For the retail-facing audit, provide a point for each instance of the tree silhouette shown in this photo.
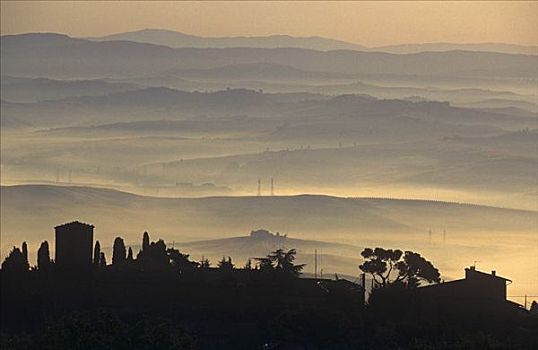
(248, 265)
(25, 252)
(102, 260)
(204, 263)
(154, 256)
(181, 261)
(277, 258)
(265, 264)
(415, 269)
(226, 264)
(130, 255)
(145, 241)
(118, 251)
(15, 262)
(97, 254)
(287, 264)
(43, 257)
(534, 308)
(281, 261)
(380, 263)
(386, 267)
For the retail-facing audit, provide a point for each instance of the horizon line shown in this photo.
(359, 45)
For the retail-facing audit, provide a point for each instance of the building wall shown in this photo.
(483, 284)
(475, 285)
(74, 246)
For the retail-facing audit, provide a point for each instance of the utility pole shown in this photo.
(320, 264)
(363, 283)
(315, 263)
(259, 187)
(272, 187)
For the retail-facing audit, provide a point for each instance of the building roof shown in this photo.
(74, 223)
(472, 271)
(486, 275)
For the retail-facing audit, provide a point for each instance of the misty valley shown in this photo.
(216, 144)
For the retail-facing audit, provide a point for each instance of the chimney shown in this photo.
(469, 272)
(494, 273)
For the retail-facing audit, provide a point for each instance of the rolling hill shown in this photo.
(15, 89)
(164, 103)
(332, 257)
(31, 211)
(452, 235)
(59, 56)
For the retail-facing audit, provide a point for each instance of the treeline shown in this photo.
(159, 298)
(154, 256)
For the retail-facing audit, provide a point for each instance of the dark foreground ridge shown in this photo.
(160, 299)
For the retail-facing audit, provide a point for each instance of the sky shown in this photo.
(365, 23)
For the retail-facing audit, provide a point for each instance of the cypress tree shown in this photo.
(15, 262)
(25, 252)
(130, 254)
(43, 256)
(145, 242)
(248, 265)
(97, 254)
(102, 260)
(118, 251)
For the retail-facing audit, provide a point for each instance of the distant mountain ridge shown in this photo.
(178, 40)
(486, 47)
(57, 56)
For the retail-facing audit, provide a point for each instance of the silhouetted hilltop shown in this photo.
(260, 242)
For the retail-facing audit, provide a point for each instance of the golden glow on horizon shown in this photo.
(366, 23)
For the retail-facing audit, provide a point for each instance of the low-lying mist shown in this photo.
(434, 152)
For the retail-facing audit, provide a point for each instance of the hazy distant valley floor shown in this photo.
(174, 125)
(349, 146)
(339, 228)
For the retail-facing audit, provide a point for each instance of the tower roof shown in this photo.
(74, 224)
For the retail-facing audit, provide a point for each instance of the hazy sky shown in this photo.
(367, 23)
